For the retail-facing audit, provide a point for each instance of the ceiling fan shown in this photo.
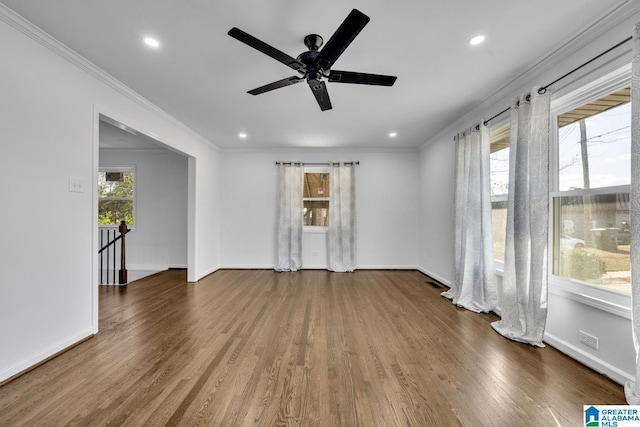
(314, 64)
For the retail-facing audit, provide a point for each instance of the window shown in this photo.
(591, 204)
(499, 170)
(116, 196)
(315, 197)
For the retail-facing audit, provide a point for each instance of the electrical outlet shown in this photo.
(76, 184)
(589, 340)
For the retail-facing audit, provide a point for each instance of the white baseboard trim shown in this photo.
(589, 360)
(133, 274)
(247, 267)
(386, 267)
(205, 273)
(154, 267)
(317, 267)
(41, 356)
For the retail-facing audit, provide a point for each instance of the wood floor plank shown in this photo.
(311, 348)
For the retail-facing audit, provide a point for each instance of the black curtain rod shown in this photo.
(544, 89)
(317, 164)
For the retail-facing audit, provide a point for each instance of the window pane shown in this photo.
(111, 212)
(316, 185)
(115, 184)
(499, 228)
(316, 213)
(499, 170)
(592, 239)
(595, 151)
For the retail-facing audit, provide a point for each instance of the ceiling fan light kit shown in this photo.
(315, 65)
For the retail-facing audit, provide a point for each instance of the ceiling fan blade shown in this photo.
(341, 39)
(322, 96)
(276, 85)
(361, 78)
(268, 50)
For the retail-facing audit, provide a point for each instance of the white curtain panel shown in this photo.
(525, 279)
(342, 218)
(290, 218)
(631, 388)
(474, 278)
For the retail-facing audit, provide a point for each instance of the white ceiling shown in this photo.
(115, 136)
(200, 75)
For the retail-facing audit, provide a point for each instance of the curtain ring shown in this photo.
(542, 90)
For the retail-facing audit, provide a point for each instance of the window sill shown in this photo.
(603, 299)
(315, 229)
(594, 296)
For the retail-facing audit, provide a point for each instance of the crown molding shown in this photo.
(30, 30)
(583, 38)
(140, 150)
(318, 150)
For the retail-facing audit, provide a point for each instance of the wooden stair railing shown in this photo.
(111, 254)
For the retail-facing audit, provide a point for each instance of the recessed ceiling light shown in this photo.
(242, 135)
(393, 134)
(151, 42)
(476, 40)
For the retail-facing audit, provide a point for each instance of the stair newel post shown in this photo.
(122, 274)
(101, 256)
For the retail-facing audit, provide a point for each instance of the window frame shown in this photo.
(131, 169)
(605, 299)
(316, 228)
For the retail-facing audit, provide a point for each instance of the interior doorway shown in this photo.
(156, 204)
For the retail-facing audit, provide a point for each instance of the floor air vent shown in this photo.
(435, 285)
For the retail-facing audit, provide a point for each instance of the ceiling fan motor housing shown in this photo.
(308, 58)
(313, 74)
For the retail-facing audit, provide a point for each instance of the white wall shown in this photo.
(386, 202)
(49, 108)
(567, 315)
(436, 210)
(158, 239)
(569, 310)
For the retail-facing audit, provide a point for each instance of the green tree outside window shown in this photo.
(115, 197)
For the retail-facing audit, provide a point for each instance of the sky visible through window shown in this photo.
(608, 145)
(499, 166)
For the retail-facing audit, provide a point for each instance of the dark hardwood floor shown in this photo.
(311, 348)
